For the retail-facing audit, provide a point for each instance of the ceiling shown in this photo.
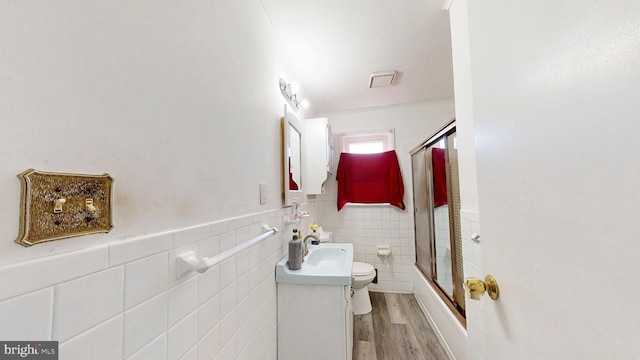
(334, 45)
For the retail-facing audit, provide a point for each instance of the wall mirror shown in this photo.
(292, 155)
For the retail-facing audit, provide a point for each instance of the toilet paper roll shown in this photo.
(383, 250)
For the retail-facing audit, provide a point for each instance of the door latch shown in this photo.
(476, 287)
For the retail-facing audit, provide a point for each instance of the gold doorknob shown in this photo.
(476, 287)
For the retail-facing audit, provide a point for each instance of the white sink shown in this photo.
(326, 264)
(325, 255)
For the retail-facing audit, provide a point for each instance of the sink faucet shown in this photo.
(315, 240)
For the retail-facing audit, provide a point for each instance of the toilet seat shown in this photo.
(362, 269)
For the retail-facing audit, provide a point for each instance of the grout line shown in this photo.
(53, 299)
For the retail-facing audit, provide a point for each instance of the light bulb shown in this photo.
(304, 104)
(295, 87)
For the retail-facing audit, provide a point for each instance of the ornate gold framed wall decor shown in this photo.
(55, 206)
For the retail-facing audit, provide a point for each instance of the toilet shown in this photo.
(361, 276)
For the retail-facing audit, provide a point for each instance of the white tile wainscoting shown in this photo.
(122, 300)
(472, 257)
(366, 226)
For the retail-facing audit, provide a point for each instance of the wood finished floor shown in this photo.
(396, 329)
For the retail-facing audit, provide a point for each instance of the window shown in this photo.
(369, 171)
(368, 142)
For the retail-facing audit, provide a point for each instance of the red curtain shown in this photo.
(370, 179)
(438, 162)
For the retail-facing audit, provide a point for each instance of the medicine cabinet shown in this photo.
(292, 157)
(318, 154)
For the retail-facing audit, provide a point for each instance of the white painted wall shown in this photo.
(370, 225)
(469, 207)
(555, 107)
(461, 343)
(172, 100)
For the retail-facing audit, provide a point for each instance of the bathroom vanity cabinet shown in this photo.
(314, 322)
(318, 154)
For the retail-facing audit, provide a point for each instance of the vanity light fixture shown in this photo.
(288, 91)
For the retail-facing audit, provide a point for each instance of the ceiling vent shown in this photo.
(382, 78)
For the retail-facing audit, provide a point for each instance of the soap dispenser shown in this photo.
(295, 252)
(295, 209)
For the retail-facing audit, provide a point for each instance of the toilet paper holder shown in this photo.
(383, 250)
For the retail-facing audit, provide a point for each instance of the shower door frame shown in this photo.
(430, 274)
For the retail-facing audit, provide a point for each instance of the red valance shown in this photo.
(438, 160)
(370, 179)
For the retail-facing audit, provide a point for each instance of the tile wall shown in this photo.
(369, 225)
(443, 247)
(472, 257)
(122, 300)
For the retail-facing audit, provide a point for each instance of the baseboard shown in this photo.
(391, 291)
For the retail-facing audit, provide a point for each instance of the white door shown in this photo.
(556, 108)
